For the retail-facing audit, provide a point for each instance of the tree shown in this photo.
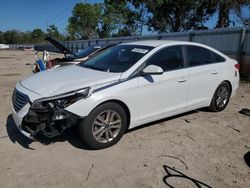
(28, 37)
(118, 18)
(83, 23)
(13, 37)
(108, 20)
(245, 21)
(244, 15)
(2, 41)
(37, 35)
(183, 15)
(53, 31)
(224, 7)
(173, 16)
(142, 16)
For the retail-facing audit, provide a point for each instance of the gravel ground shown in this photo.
(196, 148)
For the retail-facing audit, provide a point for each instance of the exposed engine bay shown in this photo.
(48, 121)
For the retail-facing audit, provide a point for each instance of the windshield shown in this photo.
(117, 59)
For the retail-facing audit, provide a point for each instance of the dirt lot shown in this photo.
(197, 148)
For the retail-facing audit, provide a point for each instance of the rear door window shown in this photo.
(197, 56)
(217, 58)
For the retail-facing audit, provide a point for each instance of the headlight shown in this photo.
(61, 101)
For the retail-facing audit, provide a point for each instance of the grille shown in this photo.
(19, 100)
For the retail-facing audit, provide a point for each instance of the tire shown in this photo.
(221, 97)
(96, 128)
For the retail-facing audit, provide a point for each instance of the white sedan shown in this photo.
(123, 87)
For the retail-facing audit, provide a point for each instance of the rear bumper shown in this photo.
(235, 85)
(234, 90)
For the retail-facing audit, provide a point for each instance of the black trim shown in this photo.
(142, 66)
(112, 84)
(210, 51)
(44, 121)
(19, 100)
(62, 95)
(185, 56)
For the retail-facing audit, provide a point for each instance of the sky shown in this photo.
(26, 15)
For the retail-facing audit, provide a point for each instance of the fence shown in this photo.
(235, 42)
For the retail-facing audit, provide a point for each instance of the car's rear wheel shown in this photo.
(104, 126)
(221, 97)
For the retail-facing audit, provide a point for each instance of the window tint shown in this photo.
(117, 58)
(170, 58)
(87, 51)
(217, 58)
(198, 56)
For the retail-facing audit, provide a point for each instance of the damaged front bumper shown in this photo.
(49, 122)
(44, 116)
(46, 120)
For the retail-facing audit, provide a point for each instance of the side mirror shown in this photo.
(152, 70)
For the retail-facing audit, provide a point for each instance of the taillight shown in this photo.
(237, 66)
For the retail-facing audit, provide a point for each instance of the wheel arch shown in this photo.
(213, 107)
(230, 85)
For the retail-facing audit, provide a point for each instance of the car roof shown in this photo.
(103, 45)
(155, 43)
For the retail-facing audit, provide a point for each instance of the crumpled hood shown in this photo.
(64, 79)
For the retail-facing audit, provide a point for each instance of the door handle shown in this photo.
(181, 80)
(214, 72)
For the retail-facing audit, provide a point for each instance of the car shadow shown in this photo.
(15, 135)
(149, 78)
(165, 119)
(247, 158)
(70, 135)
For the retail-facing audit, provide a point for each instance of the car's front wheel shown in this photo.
(221, 97)
(104, 126)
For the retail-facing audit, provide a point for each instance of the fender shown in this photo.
(118, 91)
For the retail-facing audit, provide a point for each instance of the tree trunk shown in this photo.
(223, 20)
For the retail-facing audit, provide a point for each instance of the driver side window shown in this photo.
(169, 58)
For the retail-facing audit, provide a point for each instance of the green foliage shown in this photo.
(53, 32)
(224, 7)
(13, 36)
(118, 19)
(115, 18)
(2, 40)
(173, 16)
(36, 36)
(83, 23)
(30, 37)
(183, 15)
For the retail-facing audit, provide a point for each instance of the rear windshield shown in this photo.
(117, 58)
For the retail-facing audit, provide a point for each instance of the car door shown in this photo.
(166, 94)
(205, 75)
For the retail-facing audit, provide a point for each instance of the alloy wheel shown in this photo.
(106, 126)
(222, 97)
